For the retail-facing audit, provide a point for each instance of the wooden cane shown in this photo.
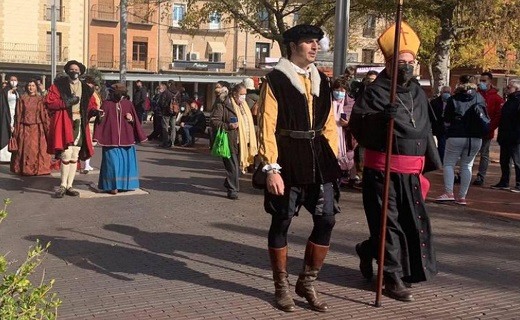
(389, 143)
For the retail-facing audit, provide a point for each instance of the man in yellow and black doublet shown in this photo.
(409, 253)
(298, 146)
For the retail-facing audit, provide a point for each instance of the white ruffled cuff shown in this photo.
(270, 167)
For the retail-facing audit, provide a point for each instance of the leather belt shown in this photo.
(311, 134)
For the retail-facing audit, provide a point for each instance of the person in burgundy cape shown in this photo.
(118, 130)
(409, 252)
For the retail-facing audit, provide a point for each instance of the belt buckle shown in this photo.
(313, 134)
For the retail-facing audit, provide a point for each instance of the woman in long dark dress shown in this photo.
(117, 131)
(30, 131)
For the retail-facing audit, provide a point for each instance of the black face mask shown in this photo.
(404, 73)
(73, 75)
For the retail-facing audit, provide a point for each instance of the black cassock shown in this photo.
(409, 252)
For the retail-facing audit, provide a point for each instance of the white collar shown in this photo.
(302, 71)
(290, 70)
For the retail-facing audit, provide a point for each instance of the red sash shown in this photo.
(399, 164)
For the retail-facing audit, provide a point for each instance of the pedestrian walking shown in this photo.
(409, 254)
(298, 149)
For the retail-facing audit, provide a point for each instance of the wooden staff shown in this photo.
(389, 142)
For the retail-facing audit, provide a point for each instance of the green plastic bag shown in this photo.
(220, 146)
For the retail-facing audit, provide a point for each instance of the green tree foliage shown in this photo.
(453, 32)
(19, 298)
(457, 32)
(268, 18)
(96, 74)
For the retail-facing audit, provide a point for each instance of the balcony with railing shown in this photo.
(60, 13)
(107, 13)
(13, 52)
(112, 64)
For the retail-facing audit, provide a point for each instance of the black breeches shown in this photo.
(320, 234)
(277, 237)
(322, 230)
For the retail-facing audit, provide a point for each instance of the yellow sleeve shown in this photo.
(330, 131)
(268, 114)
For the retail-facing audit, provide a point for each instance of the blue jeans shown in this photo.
(186, 137)
(189, 131)
(466, 149)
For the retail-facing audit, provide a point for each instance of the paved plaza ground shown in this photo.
(182, 250)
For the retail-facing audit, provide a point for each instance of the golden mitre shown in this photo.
(409, 41)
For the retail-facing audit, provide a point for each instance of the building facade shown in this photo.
(158, 49)
(105, 41)
(25, 36)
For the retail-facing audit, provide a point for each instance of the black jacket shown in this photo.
(163, 103)
(303, 161)
(509, 125)
(456, 107)
(196, 119)
(139, 97)
(369, 123)
(5, 118)
(437, 117)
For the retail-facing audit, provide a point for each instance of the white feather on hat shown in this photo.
(325, 44)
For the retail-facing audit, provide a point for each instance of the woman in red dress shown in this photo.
(30, 130)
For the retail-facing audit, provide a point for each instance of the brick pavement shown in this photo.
(184, 251)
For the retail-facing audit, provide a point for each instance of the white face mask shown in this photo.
(13, 84)
(242, 98)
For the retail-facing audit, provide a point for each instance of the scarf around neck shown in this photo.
(246, 135)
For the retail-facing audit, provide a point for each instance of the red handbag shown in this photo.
(13, 145)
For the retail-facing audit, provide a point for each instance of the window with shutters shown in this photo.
(178, 13)
(214, 20)
(139, 52)
(59, 10)
(215, 57)
(262, 52)
(367, 55)
(369, 29)
(106, 10)
(179, 52)
(58, 46)
(263, 18)
(105, 51)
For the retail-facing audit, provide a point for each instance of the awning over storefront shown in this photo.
(200, 78)
(216, 47)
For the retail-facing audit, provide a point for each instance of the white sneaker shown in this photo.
(87, 170)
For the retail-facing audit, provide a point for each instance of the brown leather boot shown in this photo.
(396, 289)
(314, 256)
(284, 300)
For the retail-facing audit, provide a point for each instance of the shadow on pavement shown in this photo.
(449, 253)
(37, 184)
(148, 257)
(197, 185)
(122, 262)
(237, 253)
